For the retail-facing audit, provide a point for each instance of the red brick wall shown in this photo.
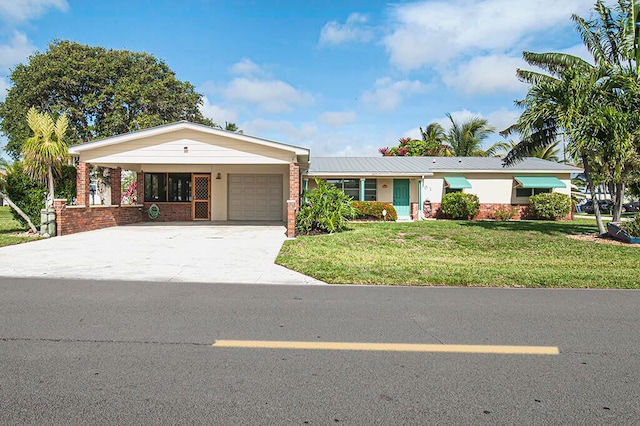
(294, 195)
(73, 219)
(170, 212)
(82, 184)
(116, 186)
(487, 211)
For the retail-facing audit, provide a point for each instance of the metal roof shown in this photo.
(327, 166)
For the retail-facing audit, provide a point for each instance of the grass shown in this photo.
(465, 253)
(9, 228)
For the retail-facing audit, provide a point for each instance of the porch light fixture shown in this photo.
(218, 176)
(185, 149)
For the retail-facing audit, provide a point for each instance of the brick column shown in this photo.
(140, 187)
(294, 198)
(59, 205)
(83, 184)
(116, 186)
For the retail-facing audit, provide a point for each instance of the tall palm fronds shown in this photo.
(46, 150)
(465, 139)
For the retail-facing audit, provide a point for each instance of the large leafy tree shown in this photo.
(46, 150)
(595, 105)
(103, 92)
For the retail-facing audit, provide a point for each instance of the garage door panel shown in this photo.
(255, 197)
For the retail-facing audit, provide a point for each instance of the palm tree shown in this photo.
(549, 153)
(46, 150)
(596, 106)
(435, 137)
(6, 168)
(465, 139)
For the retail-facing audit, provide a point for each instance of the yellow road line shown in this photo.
(393, 347)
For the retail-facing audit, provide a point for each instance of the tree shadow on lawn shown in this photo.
(545, 227)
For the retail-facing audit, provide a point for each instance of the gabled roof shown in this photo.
(424, 166)
(183, 125)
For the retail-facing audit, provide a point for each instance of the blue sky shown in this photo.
(342, 77)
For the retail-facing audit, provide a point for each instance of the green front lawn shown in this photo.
(9, 228)
(468, 253)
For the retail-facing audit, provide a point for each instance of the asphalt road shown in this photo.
(94, 352)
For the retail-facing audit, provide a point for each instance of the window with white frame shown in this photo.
(351, 187)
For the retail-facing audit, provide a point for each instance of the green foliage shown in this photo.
(26, 193)
(327, 210)
(373, 210)
(505, 213)
(550, 205)
(103, 92)
(459, 205)
(632, 227)
(29, 195)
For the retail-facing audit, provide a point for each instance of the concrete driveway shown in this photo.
(187, 252)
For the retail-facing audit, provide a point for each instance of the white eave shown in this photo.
(183, 125)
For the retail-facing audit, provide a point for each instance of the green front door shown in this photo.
(401, 196)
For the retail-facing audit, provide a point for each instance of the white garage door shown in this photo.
(255, 197)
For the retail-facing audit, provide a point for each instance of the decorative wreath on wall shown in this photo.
(154, 211)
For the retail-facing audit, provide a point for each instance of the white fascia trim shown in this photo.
(506, 171)
(367, 174)
(160, 130)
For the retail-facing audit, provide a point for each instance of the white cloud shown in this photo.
(271, 96)
(337, 119)
(17, 11)
(389, 94)
(503, 118)
(281, 130)
(17, 50)
(434, 32)
(246, 67)
(217, 113)
(486, 74)
(353, 30)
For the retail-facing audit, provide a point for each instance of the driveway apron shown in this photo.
(186, 252)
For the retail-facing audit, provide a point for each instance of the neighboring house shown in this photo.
(195, 172)
(415, 185)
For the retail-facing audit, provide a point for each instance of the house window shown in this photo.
(351, 187)
(163, 187)
(528, 192)
(370, 190)
(449, 190)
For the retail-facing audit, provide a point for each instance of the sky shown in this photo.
(341, 77)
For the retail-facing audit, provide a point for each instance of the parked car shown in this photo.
(633, 206)
(606, 206)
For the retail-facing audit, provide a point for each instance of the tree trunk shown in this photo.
(20, 212)
(618, 198)
(594, 198)
(51, 194)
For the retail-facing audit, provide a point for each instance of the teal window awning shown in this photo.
(539, 182)
(457, 182)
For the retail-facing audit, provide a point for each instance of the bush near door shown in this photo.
(459, 205)
(372, 210)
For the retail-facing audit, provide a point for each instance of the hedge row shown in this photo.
(372, 210)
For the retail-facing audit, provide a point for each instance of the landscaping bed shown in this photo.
(465, 253)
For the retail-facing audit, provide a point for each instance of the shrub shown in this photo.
(26, 193)
(373, 210)
(459, 205)
(29, 194)
(550, 205)
(504, 213)
(327, 209)
(632, 227)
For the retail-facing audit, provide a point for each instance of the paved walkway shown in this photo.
(187, 252)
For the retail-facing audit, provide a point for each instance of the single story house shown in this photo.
(415, 185)
(188, 172)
